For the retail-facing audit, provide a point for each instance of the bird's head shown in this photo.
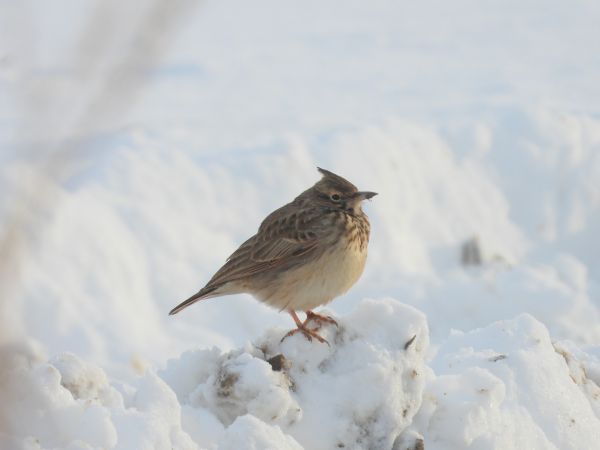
(337, 192)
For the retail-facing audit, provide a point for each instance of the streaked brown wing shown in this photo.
(285, 236)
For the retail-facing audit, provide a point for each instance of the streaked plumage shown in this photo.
(304, 254)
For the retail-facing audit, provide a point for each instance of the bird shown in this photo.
(303, 255)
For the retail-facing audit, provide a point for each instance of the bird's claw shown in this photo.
(308, 334)
(311, 316)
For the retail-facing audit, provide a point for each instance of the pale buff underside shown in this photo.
(316, 283)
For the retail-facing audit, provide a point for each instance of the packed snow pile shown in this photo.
(67, 403)
(507, 386)
(375, 386)
(360, 391)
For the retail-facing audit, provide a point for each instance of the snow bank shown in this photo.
(362, 390)
(374, 387)
(506, 386)
(144, 244)
(557, 291)
(67, 403)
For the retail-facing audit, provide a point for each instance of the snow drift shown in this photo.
(374, 387)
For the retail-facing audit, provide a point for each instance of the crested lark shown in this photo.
(304, 254)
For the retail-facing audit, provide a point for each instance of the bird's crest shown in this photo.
(335, 181)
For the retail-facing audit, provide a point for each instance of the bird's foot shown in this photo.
(308, 334)
(319, 319)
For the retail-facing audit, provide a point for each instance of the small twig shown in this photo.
(409, 342)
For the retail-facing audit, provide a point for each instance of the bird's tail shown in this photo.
(203, 293)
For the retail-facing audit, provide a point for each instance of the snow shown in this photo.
(249, 432)
(506, 385)
(373, 387)
(67, 403)
(309, 390)
(141, 143)
(363, 389)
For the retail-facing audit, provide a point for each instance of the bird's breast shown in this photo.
(357, 230)
(346, 263)
(320, 280)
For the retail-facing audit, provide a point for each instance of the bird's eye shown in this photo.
(335, 197)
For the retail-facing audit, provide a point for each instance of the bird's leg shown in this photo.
(311, 316)
(308, 333)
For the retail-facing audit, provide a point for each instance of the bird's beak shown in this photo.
(365, 195)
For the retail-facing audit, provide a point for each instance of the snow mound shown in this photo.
(376, 386)
(361, 390)
(250, 433)
(66, 403)
(506, 384)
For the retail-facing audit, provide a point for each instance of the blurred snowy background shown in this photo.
(141, 142)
